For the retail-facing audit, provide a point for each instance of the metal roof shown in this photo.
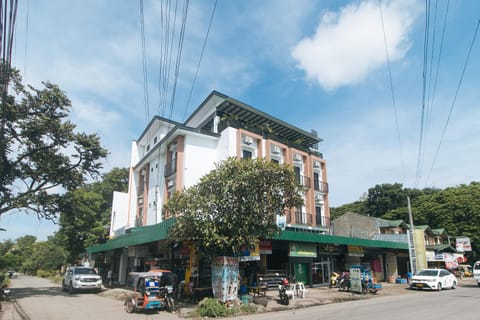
(136, 236)
(330, 239)
(253, 117)
(141, 235)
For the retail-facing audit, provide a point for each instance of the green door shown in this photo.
(301, 272)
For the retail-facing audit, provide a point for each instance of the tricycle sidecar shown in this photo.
(152, 290)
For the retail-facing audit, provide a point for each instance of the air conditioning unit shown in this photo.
(247, 140)
(170, 183)
(297, 157)
(316, 164)
(318, 198)
(275, 149)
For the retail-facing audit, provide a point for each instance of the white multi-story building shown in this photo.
(171, 156)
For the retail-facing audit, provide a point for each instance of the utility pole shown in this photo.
(411, 240)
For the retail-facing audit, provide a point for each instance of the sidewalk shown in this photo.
(314, 297)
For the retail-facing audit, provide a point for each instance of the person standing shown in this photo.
(109, 278)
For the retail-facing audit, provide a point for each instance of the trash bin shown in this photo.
(245, 299)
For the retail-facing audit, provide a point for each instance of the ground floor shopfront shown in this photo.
(301, 256)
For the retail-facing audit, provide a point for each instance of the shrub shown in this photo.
(212, 308)
(45, 273)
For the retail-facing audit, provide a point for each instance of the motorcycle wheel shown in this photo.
(130, 306)
(170, 304)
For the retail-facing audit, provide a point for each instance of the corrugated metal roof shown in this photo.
(136, 236)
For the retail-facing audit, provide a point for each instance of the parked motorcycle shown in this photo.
(344, 283)
(285, 292)
(4, 293)
(334, 280)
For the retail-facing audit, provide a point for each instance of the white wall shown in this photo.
(119, 213)
(200, 155)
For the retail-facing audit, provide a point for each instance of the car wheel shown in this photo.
(70, 288)
(130, 306)
(454, 285)
(64, 287)
(439, 287)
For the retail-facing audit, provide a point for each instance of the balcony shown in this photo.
(323, 221)
(170, 168)
(320, 186)
(305, 181)
(303, 218)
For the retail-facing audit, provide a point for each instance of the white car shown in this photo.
(433, 279)
(81, 279)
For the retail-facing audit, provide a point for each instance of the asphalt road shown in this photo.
(41, 299)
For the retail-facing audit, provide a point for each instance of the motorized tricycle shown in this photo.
(152, 290)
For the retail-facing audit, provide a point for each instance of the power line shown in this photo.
(144, 65)
(424, 77)
(179, 56)
(455, 97)
(200, 59)
(392, 91)
(8, 15)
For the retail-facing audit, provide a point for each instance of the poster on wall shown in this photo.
(356, 280)
(225, 278)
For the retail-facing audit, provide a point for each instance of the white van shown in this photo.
(476, 272)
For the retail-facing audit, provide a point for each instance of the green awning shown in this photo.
(141, 235)
(136, 236)
(330, 239)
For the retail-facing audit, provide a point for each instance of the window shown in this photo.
(297, 173)
(154, 140)
(246, 154)
(276, 161)
(316, 181)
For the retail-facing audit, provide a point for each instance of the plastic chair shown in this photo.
(301, 291)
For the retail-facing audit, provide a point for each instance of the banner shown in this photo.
(463, 244)
(225, 278)
(303, 249)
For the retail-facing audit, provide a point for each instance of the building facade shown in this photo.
(171, 156)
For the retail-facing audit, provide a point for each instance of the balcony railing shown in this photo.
(320, 186)
(323, 221)
(303, 218)
(305, 181)
(170, 168)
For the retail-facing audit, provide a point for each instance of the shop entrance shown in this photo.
(301, 272)
(321, 270)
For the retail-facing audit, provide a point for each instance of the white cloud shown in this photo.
(348, 45)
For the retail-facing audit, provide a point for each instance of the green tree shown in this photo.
(41, 154)
(85, 213)
(46, 255)
(234, 205)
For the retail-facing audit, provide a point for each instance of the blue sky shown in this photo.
(331, 66)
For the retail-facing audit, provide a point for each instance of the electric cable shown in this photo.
(144, 64)
(455, 97)
(392, 91)
(200, 59)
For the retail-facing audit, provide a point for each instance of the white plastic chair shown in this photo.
(301, 291)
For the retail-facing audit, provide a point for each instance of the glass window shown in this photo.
(246, 154)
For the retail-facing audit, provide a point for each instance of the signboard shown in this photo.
(281, 221)
(303, 249)
(356, 280)
(265, 247)
(463, 244)
(355, 251)
(225, 278)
